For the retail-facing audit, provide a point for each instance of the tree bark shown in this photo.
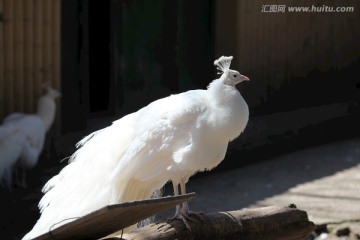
(267, 223)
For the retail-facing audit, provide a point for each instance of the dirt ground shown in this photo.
(323, 180)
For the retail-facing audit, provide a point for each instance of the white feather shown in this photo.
(168, 140)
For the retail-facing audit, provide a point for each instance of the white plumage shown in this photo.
(22, 137)
(169, 140)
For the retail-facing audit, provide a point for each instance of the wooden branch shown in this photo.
(268, 223)
(112, 218)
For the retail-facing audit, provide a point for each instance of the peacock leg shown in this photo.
(176, 193)
(185, 207)
(20, 175)
(23, 175)
(17, 176)
(179, 214)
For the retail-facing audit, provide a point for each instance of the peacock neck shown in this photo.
(222, 93)
(46, 110)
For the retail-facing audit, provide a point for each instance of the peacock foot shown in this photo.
(186, 216)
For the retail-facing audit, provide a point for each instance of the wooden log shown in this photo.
(266, 223)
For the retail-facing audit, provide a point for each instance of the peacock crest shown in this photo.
(223, 64)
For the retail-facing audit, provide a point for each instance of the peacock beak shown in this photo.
(244, 78)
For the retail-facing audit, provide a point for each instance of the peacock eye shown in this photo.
(234, 75)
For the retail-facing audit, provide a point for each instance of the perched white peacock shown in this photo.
(22, 138)
(169, 140)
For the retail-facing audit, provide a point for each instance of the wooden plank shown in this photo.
(9, 55)
(55, 69)
(19, 56)
(28, 56)
(47, 58)
(113, 218)
(55, 43)
(38, 47)
(2, 77)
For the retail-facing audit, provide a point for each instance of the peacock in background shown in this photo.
(22, 138)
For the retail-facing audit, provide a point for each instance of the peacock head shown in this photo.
(229, 76)
(51, 92)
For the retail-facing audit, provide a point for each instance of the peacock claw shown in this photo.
(186, 216)
(183, 219)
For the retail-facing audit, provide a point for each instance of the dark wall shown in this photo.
(121, 55)
(305, 83)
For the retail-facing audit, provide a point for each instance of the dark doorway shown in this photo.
(99, 55)
(118, 56)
